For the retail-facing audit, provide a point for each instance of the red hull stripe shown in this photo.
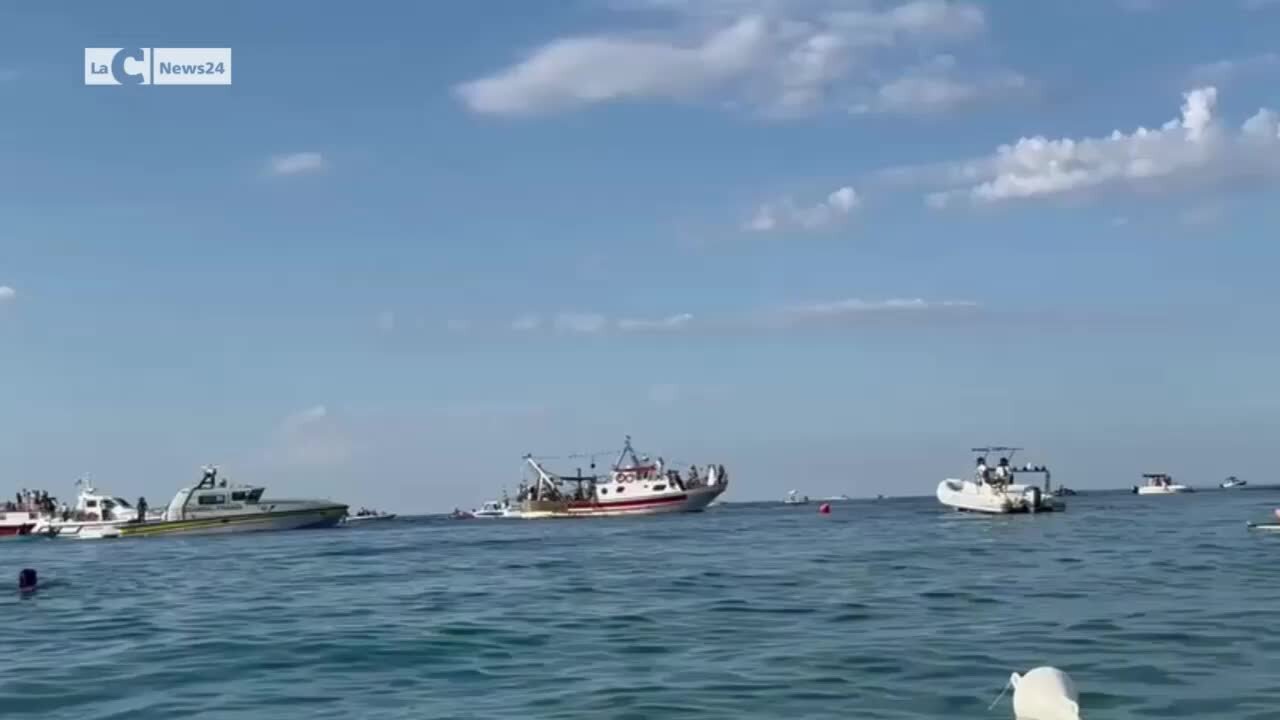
(15, 529)
(622, 505)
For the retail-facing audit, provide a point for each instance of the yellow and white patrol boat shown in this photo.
(213, 507)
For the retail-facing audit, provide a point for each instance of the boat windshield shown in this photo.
(122, 503)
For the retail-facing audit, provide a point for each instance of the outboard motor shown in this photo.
(1032, 495)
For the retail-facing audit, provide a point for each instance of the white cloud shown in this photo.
(782, 58)
(7, 293)
(673, 322)
(386, 321)
(579, 322)
(1194, 150)
(526, 323)
(310, 438)
(940, 86)
(785, 214)
(297, 163)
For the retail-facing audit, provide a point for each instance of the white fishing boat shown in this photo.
(795, 498)
(94, 515)
(634, 486)
(213, 507)
(364, 515)
(1160, 484)
(994, 491)
(1233, 482)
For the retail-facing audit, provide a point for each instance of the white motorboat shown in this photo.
(1233, 482)
(496, 509)
(794, 498)
(95, 515)
(996, 492)
(364, 515)
(1160, 484)
(213, 507)
(633, 486)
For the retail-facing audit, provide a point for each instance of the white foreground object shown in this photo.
(1044, 693)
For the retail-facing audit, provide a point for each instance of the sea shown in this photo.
(1157, 607)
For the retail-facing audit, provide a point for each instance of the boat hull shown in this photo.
(968, 496)
(694, 500)
(1163, 490)
(320, 517)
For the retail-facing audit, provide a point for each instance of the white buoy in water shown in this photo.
(1044, 693)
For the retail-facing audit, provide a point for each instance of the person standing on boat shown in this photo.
(1004, 475)
(982, 472)
(142, 510)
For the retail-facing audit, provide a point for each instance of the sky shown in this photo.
(831, 244)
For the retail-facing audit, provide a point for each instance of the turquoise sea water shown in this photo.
(1159, 607)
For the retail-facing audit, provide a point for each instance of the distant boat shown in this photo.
(1232, 482)
(1160, 484)
(364, 515)
(794, 498)
(838, 498)
(995, 492)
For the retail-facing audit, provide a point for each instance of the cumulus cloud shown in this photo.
(7, 293)
(672, 322)
(782, 58)
(297, 163)
(785, 214)
(1194, 150)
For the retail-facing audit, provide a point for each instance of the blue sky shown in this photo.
(829, 244)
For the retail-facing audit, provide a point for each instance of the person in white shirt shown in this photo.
(982, 471)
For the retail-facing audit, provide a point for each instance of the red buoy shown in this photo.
(824, 509)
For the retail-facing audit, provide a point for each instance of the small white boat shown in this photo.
(997, 493)
(634, 486)
(1160, 484)
(837, 498)
(794, 498)
(96, 515)
(495, 509)
(1232, 482)
(363, 516)
(1267, 526)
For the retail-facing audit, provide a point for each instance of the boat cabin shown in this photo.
(1157, 479)
(94, 505)
(213, 496)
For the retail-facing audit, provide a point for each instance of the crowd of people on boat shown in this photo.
(32, 501)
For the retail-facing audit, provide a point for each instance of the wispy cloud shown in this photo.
(579, 322)
(7, 293)
(785, 214)
(310, 438)
(1222, 72)
(526, 323)
(672, 322)
(300, 163)
(386, 321)
(783, 59)
(940, 86)
(1194, 150)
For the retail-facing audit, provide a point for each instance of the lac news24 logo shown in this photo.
(157, 66)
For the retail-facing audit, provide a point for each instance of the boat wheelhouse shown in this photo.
(633, 486)
(94, 512)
